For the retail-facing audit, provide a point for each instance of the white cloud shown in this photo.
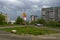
(35, 1)
(45, 6)
(40, 9)
(15, 2)
(12, 0)
(14, 7)
(35, 6)
(46, 1)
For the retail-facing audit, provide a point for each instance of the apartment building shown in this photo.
(33, 18)
(6, 17)
(52, 13)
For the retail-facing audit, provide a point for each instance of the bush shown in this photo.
(58, 24)
(41, 21)
(2, 19)
(52, 23)
(33, 22)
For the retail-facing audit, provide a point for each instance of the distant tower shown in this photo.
(33, 18)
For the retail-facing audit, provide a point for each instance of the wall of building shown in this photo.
(6, 17)
(52, 13)
(33, 18)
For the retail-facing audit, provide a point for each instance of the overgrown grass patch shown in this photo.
(53, 27)
(29, 30)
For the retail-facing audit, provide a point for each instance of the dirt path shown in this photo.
(9, 36)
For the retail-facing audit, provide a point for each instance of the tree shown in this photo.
(2, 19)
(41, 21)
(33, 22)
(19, 20)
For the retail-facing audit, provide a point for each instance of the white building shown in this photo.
(33, 18)
(6, 17)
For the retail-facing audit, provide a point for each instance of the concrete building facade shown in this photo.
(52, 13)
(6, 17)
(33, 18)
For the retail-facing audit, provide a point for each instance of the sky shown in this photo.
(15, 8)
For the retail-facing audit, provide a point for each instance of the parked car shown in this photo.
(39, 25)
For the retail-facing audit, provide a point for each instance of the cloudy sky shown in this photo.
(15, 8)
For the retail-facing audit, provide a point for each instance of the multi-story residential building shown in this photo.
(33, 18)
(6, 17)
(52, 13)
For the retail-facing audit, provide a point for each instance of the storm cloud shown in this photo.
(15, 8)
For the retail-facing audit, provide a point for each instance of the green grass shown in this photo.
(30, 30)
(52, 27)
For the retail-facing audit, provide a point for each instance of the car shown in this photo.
(39, 25)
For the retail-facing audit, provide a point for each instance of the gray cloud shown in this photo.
(31, 7)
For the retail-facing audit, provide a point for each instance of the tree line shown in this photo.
(46, 23)
(20, 21)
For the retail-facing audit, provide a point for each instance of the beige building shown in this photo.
(52, 13)
(6, 17)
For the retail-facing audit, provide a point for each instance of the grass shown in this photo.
(52, 27)
(8, 25)
(29, 30)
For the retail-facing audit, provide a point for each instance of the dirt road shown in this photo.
(9, 36)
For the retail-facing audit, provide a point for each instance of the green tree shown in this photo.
(19, 20)
(41, 21)
(2, 19)
(33, 22)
